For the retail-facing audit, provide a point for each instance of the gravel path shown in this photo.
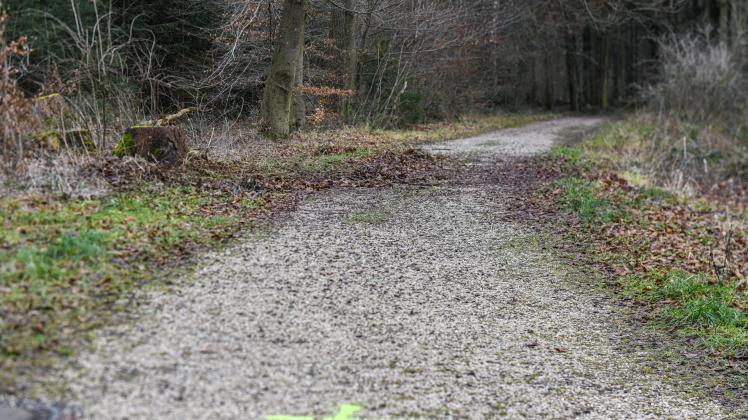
(410, 302)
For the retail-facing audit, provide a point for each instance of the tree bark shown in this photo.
(549, 93)
(284, 76)
(738, 20)
(631, 58)
(587, 66)
(723, 21)
(351, 59)
(299, 106)
(343, 31)
(533, 74)
(619, 59)
(572, 73)
(605, 73)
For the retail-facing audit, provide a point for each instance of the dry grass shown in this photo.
(694, 132)
(684, 158)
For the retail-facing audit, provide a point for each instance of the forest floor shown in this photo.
(451, 296)
(82, 237)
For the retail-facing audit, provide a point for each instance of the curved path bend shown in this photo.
(410, 302)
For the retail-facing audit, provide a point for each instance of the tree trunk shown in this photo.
(361, 80)
(549, 94)
(299, 106)
(619, 91)
(739, 21)
(605, 73)
(343, 31)
(587, 66)
(533, 74)
(572, 74)
(723, 21)
(351, 59)
(281, 84)
(631, 58)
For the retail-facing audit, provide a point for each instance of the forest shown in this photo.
(140, 138)
(381, 63)
(111, 65)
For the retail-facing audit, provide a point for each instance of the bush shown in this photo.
(701, 107)
(701, 81)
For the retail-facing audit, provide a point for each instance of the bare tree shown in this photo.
(285, 76)
(343, 33)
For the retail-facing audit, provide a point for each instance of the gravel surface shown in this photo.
(522, 141)
(412, 302)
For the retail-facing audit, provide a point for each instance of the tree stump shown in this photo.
(159, 144)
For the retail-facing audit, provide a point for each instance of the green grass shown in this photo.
(300, 164)
(65, 264)
(583, 198)
(273, 167)
(618, 136)
(571, 154)
(328, 161)
(372, 218)
(697, 306)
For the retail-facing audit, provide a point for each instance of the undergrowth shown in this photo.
(688, 157)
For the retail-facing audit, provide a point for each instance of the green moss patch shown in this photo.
(371, 218)
(125, 145)
(586, 200)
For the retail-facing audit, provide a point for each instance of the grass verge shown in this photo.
(69, 264)
(696, 306)
(687, 255)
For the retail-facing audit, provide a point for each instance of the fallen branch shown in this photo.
(167, 120)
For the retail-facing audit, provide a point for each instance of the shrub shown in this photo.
(701, 82)
(701, 108)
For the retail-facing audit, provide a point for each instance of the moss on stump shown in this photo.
(159, 144)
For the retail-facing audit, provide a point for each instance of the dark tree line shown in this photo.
(383, 62)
